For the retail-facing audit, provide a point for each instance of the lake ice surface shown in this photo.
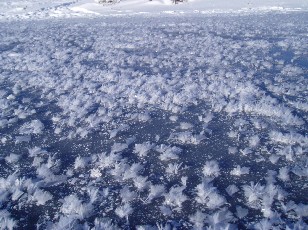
(154, 122)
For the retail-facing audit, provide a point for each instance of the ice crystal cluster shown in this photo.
(155, 122)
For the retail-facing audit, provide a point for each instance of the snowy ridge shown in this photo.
(22, 10)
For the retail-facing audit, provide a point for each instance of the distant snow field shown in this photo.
(42, 9)
(157, 120)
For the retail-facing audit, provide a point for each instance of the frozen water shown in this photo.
(184, 122)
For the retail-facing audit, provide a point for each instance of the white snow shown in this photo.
(40, 9)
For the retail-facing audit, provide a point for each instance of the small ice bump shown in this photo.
(130, 140)
(238, 171)
(6, 222)
(37, 161)
(141, 182)
(142, 149)
(113, 133)
(165, 210)
(12, 158)
(3, 140)
(173, 169)
(80, 163)
(187, 137)
(35, 151)
(241, 212)
(41, 197)
(118, 147)
(207, 118)
(274, 158)
(144, 117)
(3, 122)
(95, 173)
(284, 174)
(124, 210)
(127, 195)
(175, 197)
(58, 130)
(233, 134)
(20, 139)
(232, 189)
(17, 194)
(232, 150)
(245, 151)
(186, 125)
(168, 152)
(11, 97)
(173, 118)
(32, 127)
(254, 141)
(155, 191)
(198, 219)
(73, 206)
(211, 168)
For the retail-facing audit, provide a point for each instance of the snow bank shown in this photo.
(21, 10)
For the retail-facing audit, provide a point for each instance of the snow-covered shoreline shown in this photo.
(33, 10)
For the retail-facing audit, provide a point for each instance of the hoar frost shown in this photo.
(149, 124)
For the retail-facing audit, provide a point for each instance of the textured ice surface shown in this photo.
(185, 122)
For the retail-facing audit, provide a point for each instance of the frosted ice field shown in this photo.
(195, 122)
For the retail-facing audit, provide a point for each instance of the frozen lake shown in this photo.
(155, 122)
